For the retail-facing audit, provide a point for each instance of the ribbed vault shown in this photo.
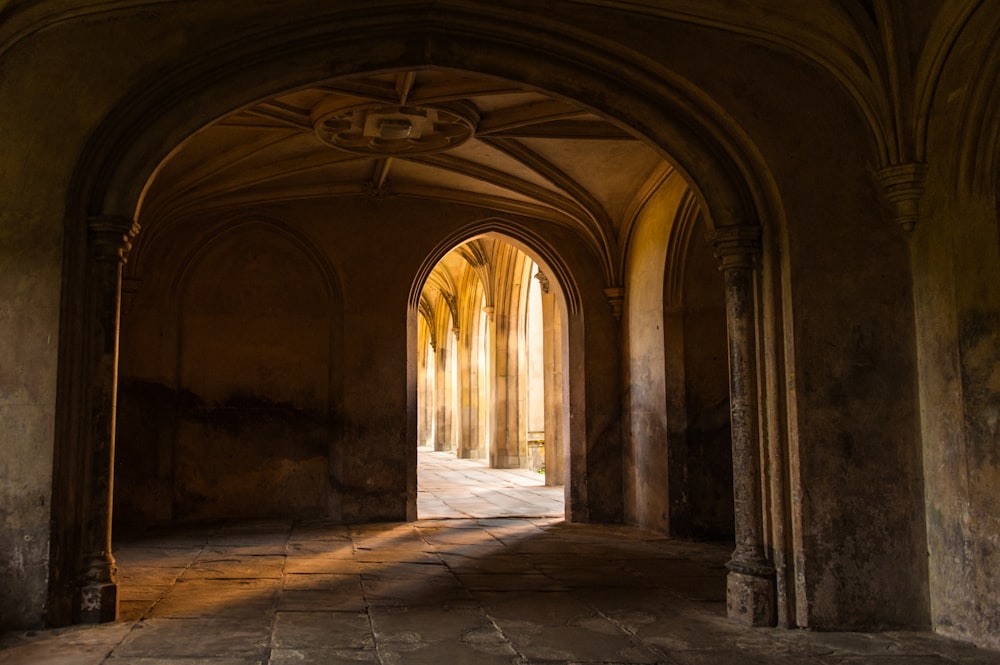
(527, 153)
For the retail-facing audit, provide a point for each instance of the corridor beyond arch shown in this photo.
(473, 312)
(490, 360)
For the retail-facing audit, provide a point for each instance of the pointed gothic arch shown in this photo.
(728, 176)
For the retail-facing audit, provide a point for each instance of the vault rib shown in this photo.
(543, 167)
(381, 172)
(435, 93)
(575, 130)
(498, 203)
(527, 114)
(214, 190)
(283, 113)
(505, 181)
(221, 162)
(376, 91)
(599, 225)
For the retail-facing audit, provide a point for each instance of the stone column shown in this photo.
(424, 399)
(468, 445)
(442, 389)
(555, 466)
(508, 438)
(750, 595)
(109, 240)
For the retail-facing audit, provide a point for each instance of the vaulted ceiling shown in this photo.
(430, 134)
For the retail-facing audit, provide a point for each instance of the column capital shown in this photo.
(737, 247)
(616, 298)
(903, 186)
(112, 235)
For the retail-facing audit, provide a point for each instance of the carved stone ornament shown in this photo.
(616, 298)
(903, 185)
(112, 235)
(737, 247)
(387, 130)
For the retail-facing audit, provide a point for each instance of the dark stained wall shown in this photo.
(245, 427)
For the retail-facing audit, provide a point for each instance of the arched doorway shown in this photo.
(490, 384)
(594, 432)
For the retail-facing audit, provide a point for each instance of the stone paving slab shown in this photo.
(185, 661)
(77, 645)
(323, 630)
(314, 601)
(452, 590)
(320, 563)
(322, 657)
(197, 638)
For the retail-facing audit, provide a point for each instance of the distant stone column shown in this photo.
(424, 399)
(555, 467)
(442, 389)
(108, 242)
(468, 444)
(509, 439)
(750, 595)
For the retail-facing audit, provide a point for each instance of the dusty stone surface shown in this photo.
(534, 591)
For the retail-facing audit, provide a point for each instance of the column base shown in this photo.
(98, 603)
(750, 599)
(507, 462)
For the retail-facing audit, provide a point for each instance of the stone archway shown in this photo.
(139, 134)
(498, 260)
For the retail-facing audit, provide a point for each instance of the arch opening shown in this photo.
(490, 386)
(373, 489)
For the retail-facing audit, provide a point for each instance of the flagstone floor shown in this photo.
(490, 574)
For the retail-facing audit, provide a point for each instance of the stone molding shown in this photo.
(112, 236)
(903, 186)
(616, 298)
(737, 247)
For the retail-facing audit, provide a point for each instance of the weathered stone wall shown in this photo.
(649, 484)
(678, 457)
(958, 315)
(955, 251)
(706, 377)
(242, 420)
(39, 141)
(861, 542)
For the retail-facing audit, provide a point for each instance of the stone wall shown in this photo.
(235, 416)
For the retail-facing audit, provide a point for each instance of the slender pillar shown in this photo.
(442, 389)
(468, 445)
(555, 468)
(424, 398)
(509, 438)
(750, 595)
(109, 240)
